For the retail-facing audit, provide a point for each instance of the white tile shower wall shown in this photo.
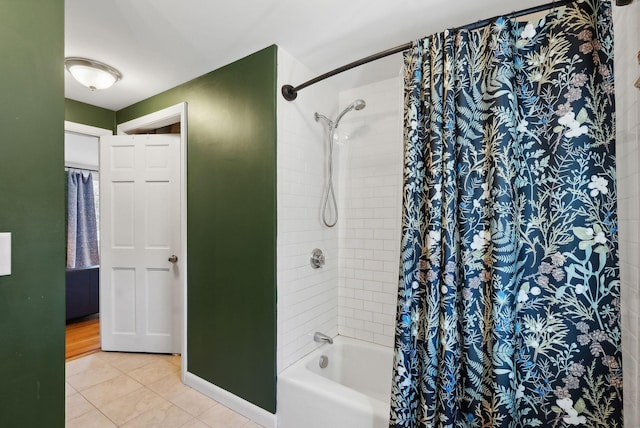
(370, 201)
(627, 70)
(307, 298)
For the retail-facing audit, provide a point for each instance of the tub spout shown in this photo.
(321, 337)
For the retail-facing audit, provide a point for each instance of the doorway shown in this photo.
(170, 120)
(82, 277)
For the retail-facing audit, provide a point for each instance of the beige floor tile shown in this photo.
(176, 360)
(193, 402)
(76, 405)
(195, 423)
(125, 361)
(132, 405)
(252, 424)
(82, 364)
(222, 417)
(169, 386)
(103, 393)
(69, 390)
(165, 416)
(153, 371)
(121, 399)
(94, 376)
(92, 418)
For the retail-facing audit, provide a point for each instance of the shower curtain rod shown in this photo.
(290, 93)
(78, 168)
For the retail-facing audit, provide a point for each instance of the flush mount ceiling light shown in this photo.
(92, 74)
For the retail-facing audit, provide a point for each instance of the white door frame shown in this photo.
(79, 128)
(164, 117)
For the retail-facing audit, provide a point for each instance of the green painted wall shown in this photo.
(87, 114)
(231, 221)
(32, 312)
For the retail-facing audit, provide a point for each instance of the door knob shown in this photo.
(173, 258)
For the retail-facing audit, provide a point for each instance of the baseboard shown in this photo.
(235, 403)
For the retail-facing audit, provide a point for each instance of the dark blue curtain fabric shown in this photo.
(82, 232)
(508, 309)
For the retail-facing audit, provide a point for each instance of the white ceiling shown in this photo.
(160, 44)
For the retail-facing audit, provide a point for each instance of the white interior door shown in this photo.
(140, 284)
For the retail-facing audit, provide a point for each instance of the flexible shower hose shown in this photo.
(330, 191)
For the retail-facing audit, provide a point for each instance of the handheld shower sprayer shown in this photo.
(358, 104)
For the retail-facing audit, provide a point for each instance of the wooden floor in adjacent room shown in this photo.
(83, 338)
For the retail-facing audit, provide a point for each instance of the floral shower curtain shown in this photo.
(82, 230)
(508, 311)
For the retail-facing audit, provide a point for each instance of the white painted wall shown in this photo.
(81, 151)
(370, 201)
(307, 298)
(627, 70)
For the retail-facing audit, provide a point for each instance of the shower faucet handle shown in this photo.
(317, 258)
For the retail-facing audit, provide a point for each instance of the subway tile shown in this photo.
(384, 340)
(372, 307)
(375, 244)
(363, 315)
(384, 298)
(346, 292)
(392, 245)
(364, 253)
(364, 275)
(389, 309)
(628, 171)
(373, 327)
(364, 335)
(375, 265)
(384, 319)
(352, 303)
(354, 283)
(389, 256)
(390, 330)
(347, 331)
(354, 323)
(374, 286)
(363, 295)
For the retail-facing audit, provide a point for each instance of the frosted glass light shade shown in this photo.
(92, 74)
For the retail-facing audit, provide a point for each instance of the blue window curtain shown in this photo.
(82, 233)
(508, 308)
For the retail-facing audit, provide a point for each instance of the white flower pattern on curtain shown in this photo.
(508, 309)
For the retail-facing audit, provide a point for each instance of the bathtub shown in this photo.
(353, 391)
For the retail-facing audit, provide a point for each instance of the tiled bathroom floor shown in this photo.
(111, 389)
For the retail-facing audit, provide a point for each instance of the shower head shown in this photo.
(358, 104)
